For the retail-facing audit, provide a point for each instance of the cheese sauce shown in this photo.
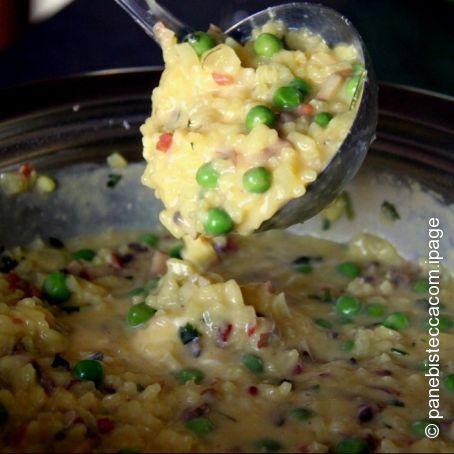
(288, 343)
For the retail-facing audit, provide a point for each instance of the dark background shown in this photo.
(410, 42)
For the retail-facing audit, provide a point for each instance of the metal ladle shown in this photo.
(335, 29)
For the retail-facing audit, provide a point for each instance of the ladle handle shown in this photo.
(147, 13)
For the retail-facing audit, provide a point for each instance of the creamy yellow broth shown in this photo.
(317, 376)
(199, 118)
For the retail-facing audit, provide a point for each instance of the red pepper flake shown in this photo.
(251, 329)
(298, 369)
(222, 79)
(306, 109)
(164, 142)
(105, 425)
(225, 332)
(17, 321)
(253, 390)
(26, 169)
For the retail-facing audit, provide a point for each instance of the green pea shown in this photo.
(357, 69)
(201, 42)
(348, 305)
(301, 414)
(375, 310)
(347, 346)
(200, 426)
(420, 286)
(287, 97)
(139, 314)
(207, 176)
(253, 362)
(151, 284)
(448, 381)
(303, 86)
(176, 251)
(396, 321)
(352, 445)
(260, 115)
(349, 269)
(149, 238)
(419, 427)
(218, 222)
(323, 118)
(444, 323)
(257, 180)
(4, 415)
(55, 289)
(268, 445)
(352, 85)
(89, 370)
(84, 254)
(266, 45)
(323, 323)
(185, 375)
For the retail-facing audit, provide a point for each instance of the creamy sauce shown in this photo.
(266, 343)
(315, 378)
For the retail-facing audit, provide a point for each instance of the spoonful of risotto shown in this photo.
(257, 127)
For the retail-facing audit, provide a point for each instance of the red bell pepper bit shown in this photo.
(26, 169)
(298, 369)
(306, 109)
(164, 142)
(253, 390)
(116, 261)
(264, 340)
(15, 282)
(222, 79)
(251, 329)
(225, 332)
(105, 425)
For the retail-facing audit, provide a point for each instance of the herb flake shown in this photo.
(113, 179)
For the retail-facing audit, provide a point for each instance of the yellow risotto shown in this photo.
(286, 344)
(265, 343)
(239, 130)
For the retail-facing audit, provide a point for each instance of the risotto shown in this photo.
(277, 342)
(288, 343)
(237, 131)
